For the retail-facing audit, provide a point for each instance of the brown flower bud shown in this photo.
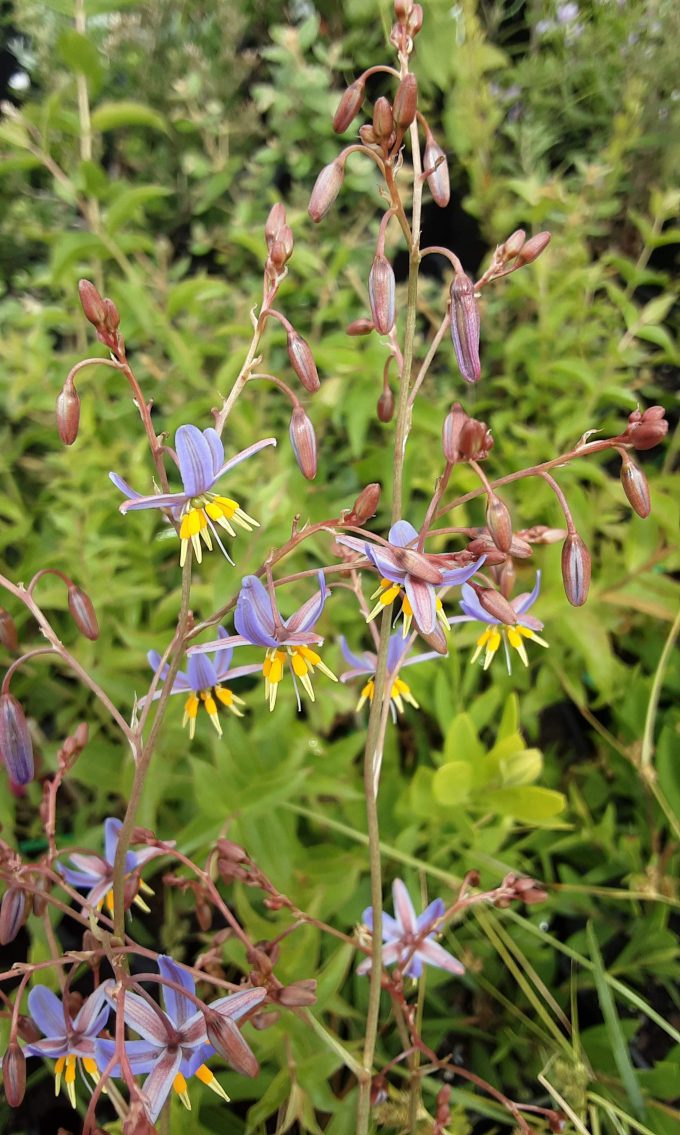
(28, 1030)
(81, 735)
(360, 327)
(367, 135)
(365, 506)
(402, 9)
(302, 361)
(436, 639)
(82, 612)
(91, 303)
(513, 245)
(349, 106)
(383, 121)
(16, 747)
(496, 605)
(287, 239)
(39, 900)
(326, 188)
(405, 102)
(14, 1074)
(68, 412)
(204, 914)
(499, 522)
(465, 327)
(484, 546)
(415, 20)
(635, 486)
(112, 315)
(298, 994)
(227, 849)
(437, 171)
(648, 429)
(575, 569)
(226, 1039)
(278, 255)
(507, 577)
(382, 294)
(532, 249)
(13, 914)
(262, 1021)
(451, 431)
(8, 630)
(385, 406)
(303, 441)
(274, 223)
(476, 442)
(653, 414)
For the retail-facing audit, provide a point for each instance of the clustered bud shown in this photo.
(436, 171)
(68, 412)
(465, 438)
(82, 612)
(383, 122)
(279, 238)
(532, 249)
(405, 102)
(645, 430)
(635, 486)
(326, 188)
(299, 994)
(303, 441)
(302, 361)
(382, 294)
(103, 314)
(16, 747)
(575, 569)
(465, 327)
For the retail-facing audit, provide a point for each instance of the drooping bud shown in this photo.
(405, 102)
(451, 431)
(648, 429)
(349, 106)
(382, 294)
(13, 914)
(513, 245)
(91, 303)
(496, 605)
(302, 361)
(437, 171)
(16, 747)
(383, 120)
(226, 1038)
(204, 915)
(227, 849)
(14, 1074)
(8, 630)
(82, 612)
(436, 639)
(298, 994)
(68, 412)
(575, 569)
(635, 486)
(28, 1030)
(532, 249)
(303, 441)
(365, 506)
(507, 577)
(499, 522)
(476, 441)
(465, 327)
(326, 188)
(385, 406)
(274, 223)
(360, 327)
(81, 735)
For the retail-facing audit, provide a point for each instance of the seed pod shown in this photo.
(299, 993)
(365, 506)
(383, 121)
(635, 486)
(385, 407)
(15, 741)
(437, 169)
(275, 221)
(303, 441)
(302, 361)
(360, 327)
(382, 294)
(575, 569)
(14, 1074)
(349, 106)
(532, 249)
(499, 522)
(451, 431)
(82, 612)
(405, 102)
(226, 1039)
(91, 303)
(8, 630)
(465, 327)
(513, 245)
(496, 605)
(13, 914)
(68, 412)
(326, 188)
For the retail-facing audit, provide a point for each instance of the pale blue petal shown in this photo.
(178, 1008)
(253, 617)
(402, 534)
(47, 1011)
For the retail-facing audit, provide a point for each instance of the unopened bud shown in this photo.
(204, 915)
(274, 223)
(532, 249)
(507, 577)
(82, 612)
(451, 431)
(437, 171)
(367, 135)
(137, 1121)
(326, 188)
(436, 639)
(349, 106)
(513, 245)
(382, 294)
(227, 849)
(648, 429)
(91, 303)
(465, 327)
(635, 486)
(111, 316)
(499, 522)
(16, 747)
(13, 914)
(402, 9)
(287, 239)
(298, 994)
(405, 102)
(226, 1038)
(28, 1030)
(278, 255)
(476, 441)
(302, 361)
(383, 121)
(541, 534)
(14, 1074)
(575, 569)
(365, 506)
(8, 630)
(68, 412)
(39, 899)
(415, 20)
(496, 605)
(385, 407)
(303, 441)
(81, 735)
(360, 327)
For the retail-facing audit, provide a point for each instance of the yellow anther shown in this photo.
(58, 1072)
(310, 655)
(139, 901)
(180, 1087)
(70, 1079)
(90, 1066)
(300, 667)
(276, 663)
(227, 507)
(206, 1077)
(228, 697)
(366, 693)
(108, 901)
(190, 710)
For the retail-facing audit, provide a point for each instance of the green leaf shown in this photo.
(509, 722)
(618, 1041)
(521, 768)
(533, 805)
(80, 55)
(113, 115)
(462, 742)
(452, 782)
(132, 201)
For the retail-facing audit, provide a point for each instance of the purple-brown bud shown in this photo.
(365, 506)
(91, 303)
(405, 102)
(635, 486)
(68, 412)
(111, 316)
(451, 431)
(382, 288)
(81, 735)
(367, 135)
(8, 630)
(437, 171)
(302, 361)
(385, 406)
(303, 441)
(465, 327)
(13, 914)
(360, 327)
(16, 747)
(204, 915)
(499, 522)
(476, 441)
(39, 898)
(402, 9)
(28, 1030)
(326, 188)
(383, 120)
(227, 849)
(507, 577)
(496, 605)
(298, 994)
(14, 1074)
(277, 256)
(274, 223)
(349, 106)
(532, 249)
(575, 569)
(513, 245)
(436, 640)
(648, 429)
(137, 1121)
(226, 1039)
(415, 20)
(82, 612)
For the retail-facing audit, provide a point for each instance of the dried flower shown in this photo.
(16, 747)
(465, 327)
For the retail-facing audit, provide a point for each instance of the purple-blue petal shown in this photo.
(398, 645)
(237, 1004)
(195, 459)
(253, 617)
(306, 616)
(159, 1081)
(84, 880)
(122, 485)
(430, 915)
(94, 1012)
(216, 449)
(112, 828)
(201, 673)
(47, 1011)
(141, 1055)
(383, 559)
(52, 1048)
(523, 602)
(402, 534)
(473, 608)
(249, 451)
(155, 500)
(361, 663)
(178, 1007)
(454, 576)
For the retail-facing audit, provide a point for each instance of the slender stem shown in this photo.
(648, 735)
(427, 361)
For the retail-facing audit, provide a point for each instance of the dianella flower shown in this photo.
(68, 1039)
(495, 632)
(410, 940)
(203, 684)
(412, 576)
(365, 664)
(94, 873)
(200, 511)
(174, 1044)
(259, 623)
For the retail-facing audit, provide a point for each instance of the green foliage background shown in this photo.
(202, 117)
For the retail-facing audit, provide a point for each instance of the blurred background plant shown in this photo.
(141, 146)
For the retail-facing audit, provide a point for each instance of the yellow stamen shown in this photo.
(517, 643)
(190, 710)
(211, 708)
(402, 690)
(139, 901)
(388, 592)
(272, 668)
(90, 1067)
(206, 1077)
(366, 693)
(228, 697)
(58, 1071)
(180, 1086)
(70, 1078)
(407, 612)
(108, 901)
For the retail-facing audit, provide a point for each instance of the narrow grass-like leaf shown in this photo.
(618, 1041)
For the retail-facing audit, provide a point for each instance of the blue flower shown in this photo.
(94, 873)
(200, 457)
(409, 940)
(496, 632)
(365, 663)
(67, 1037)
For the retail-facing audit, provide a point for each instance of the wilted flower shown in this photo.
(66, 1037)
(200, 456)
(510, 634)
(94, 873)
(259, 623)
(409, 940)
(365, 663)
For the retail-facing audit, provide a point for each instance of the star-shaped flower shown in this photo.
(409, 940)
(68, 1038)
(94, 873)
(495, 632)
(365, 663)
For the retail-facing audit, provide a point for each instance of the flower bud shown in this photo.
(326, 188)
(382, 294)
(436, 639)
(383, 121)
(532, 249)
(28, 1030)
(68, 412)
(303, 441)
(39, 899)
(298, 994)
(367, 135)
(13, 914)
(402, 9)
(385, 407)
(575, 569)
(360, 327)
(437, 171)
(14, 1074)
(451, 431)
(226, 1038)
(204, 915)
(507, 577)
(635, 486)
(475, 442)
(15, 741)
(499, 522)
(496, 605)
(91, 303)
(227, 849)
(274, 223)
(82, 612)
(405, 102)
(278, 255)
(286, 238)
(465, 327)
(112, 315)
(415, 20)
(365, 506)
(81, 735)
(648, 429)
(302, 361)
(349, 106)
(513, 245)
(8, 630)
(541, 534)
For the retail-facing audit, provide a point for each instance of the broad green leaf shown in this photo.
(462, 742)
(521, 768)
(114, 115)
(131, 202)
(533, 805)
(452, 782)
